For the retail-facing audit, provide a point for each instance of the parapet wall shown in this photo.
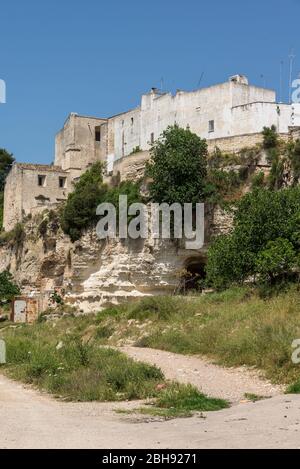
(132, 167)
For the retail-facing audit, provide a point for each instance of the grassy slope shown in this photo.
(64, 358)
(234, 328)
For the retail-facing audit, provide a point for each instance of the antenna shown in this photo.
(291, 58)
(281, 82)
(199, 82)
(162, 84)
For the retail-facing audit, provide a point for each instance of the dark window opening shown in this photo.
(98, 134)
(152, 138)
(211, 126)
(41, 181)
(62, 182)
(132, 121)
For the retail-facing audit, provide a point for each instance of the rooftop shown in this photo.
(40, 167)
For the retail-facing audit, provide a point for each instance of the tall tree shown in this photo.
(178, 167)
(6, 160)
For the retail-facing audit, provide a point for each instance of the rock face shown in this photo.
(93, 273)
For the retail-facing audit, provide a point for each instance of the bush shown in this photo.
(80, 210)
(258, 180)
(277, 258)
(270, 137)
(177, 167)
(15, 237)
(293, 151)
(8, 289)
(262, 217)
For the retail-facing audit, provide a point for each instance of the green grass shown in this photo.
(234, 328)
(66, 359)
(254, 397)
(77, 370)
(181, 400)
(294, 388)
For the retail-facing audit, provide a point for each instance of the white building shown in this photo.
(229, 115)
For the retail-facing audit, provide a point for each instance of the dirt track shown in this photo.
(30, 419)
(214, 380)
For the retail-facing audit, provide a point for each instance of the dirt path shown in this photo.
(228, 383)
(30, 419)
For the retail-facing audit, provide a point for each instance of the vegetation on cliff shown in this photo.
(264, 243)
(177, 167)
(6, 160)
(79, 212)
(8, 289)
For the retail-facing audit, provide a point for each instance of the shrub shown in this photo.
(80, 210)
(14, 237)
(178, 167)
(8, 289)
(261, 217)
(270, 137)
(277, 258)
(258, 180)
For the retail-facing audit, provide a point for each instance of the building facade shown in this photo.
(230, 115)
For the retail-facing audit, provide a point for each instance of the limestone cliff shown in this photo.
(91, 273)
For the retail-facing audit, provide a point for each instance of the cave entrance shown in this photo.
(193, 274)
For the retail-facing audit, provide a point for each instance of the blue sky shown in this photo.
(97, 58)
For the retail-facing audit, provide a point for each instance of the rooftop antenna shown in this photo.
(281, 82)
(292, 59)
(199, 82)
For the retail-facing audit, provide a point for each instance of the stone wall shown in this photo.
(24, 195)
(76, 146)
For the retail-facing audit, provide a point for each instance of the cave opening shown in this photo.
(193, 275)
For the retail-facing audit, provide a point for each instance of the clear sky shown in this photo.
(97, 57)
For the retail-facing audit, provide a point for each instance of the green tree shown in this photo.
(276, 259)
(6, 160)
(261, 217)
(8, 289)
(177, 167)
(79, 211)
(270, 137)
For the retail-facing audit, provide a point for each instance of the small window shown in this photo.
(152, 138)
(62, 182)
(41, 181)
(132, 121)
(98, 134)
(211, 126)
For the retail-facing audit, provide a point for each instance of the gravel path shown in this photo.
(30, 419)
(227, 383)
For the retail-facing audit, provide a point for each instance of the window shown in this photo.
(41, 181)
(211, 126)
(97, 134)
(62, 182)
(132, 121)
(152, 138)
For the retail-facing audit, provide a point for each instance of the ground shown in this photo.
(31, 419)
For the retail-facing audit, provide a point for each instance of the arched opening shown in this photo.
(193, 274)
